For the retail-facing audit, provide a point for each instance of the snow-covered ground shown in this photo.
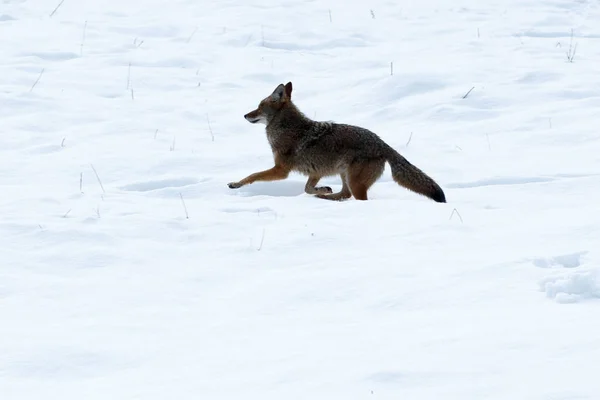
(108, 291)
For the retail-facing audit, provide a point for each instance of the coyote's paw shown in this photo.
(324, 190)
(234, 185)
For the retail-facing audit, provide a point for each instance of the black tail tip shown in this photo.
(438, 196)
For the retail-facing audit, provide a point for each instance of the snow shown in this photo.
(572, 287)
(107, 290)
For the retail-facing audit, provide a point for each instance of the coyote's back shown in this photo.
(318, 149)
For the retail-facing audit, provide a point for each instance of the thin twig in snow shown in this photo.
(56, 9)
(262, 239)
(572, 50)
(37, 80)
(210, 128)
(81, 182)
(62, 144)
(466, 94)
(82, 39)
(192, 35)
(457, 213)
(67, 213)
(391, 68)
(155, 133)
(135, 43)
(330, 19)
(409, 139)
(98, 177)
(184, 207)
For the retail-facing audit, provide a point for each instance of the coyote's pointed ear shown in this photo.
(278, 92)
(288, 90)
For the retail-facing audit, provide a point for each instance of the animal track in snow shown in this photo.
(258, 210)
(159, 184)
(538, 77)
(278, 189)
(387, 377)
(54, 55)
(572, 287)
(498, 182)
(516, 180)
(63, 363)
(407, 88)
(45, 149)
(321, 45)
(571, 260)
(555, 35)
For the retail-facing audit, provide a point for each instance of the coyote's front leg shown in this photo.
(278, 172)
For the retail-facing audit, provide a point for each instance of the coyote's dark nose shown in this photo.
(251, 119)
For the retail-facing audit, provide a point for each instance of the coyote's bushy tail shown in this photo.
(412, 178)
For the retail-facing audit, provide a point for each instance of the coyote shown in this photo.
(318, 149)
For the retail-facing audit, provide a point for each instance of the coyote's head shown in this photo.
(271, 105)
